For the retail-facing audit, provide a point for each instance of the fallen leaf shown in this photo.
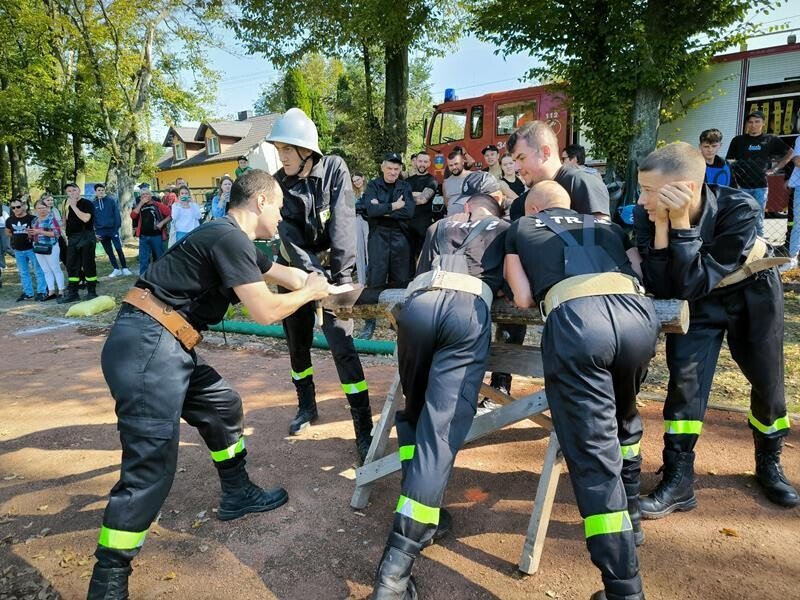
(788, 444)
(11, 477)
(712, 472)
(44, 532)
(729, 532)
(199, 522)
(748, 473)
(204, 548)
(169, 576)
(551, 594)
(475, 495)
(182, 470)
(201, 514)
(42, 507)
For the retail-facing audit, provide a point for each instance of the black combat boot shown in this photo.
(769, 472)
(91, 290)
(110, 574)
(601, 595)
(501, 382)
(675, 491)
(241, 496)
(362, 424)
(307, 406)
(368, 331)
(393, 580)
(71, 295)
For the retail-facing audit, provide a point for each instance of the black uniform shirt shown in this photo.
(752, 154)
(541, 251)
(698, 258)
(198, 273)
(386, 193)
(319, 215)
(74, 224)
(423, 213)
(485, 254)
(587, 192)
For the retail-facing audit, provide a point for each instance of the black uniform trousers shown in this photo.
(389, 252)
(81, 257)
(299, 330)
(155, 383)
(751, 313)
(595, 353)
(442, 345)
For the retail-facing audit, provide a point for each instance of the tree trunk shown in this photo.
(19, 171)
(5, 174)
(646, 110)
(79, 161)
(125, 199)
(395, 106)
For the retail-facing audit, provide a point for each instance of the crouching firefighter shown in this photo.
(157, 378)
(318, 235)
(443, 335)
(699, 242)
(599, 335)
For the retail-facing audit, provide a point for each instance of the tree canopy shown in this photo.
(621, 61)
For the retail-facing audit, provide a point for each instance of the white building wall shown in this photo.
(722, 81)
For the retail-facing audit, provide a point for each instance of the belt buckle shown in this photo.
(542, 311)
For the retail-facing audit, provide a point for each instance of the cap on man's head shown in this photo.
(244, 158)
(479, 182)
(393, 157)
(757, 114)
(144, 186)
(488, 148)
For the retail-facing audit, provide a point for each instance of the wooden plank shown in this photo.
(373, 303)
(380, 439)
(500, 398)
(516, 359)
(542, 508)
(482, 425)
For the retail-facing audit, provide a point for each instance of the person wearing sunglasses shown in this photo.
(17, 226)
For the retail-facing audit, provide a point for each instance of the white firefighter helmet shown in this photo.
(296, 129)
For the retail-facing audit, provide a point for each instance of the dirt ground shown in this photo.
(59, 456)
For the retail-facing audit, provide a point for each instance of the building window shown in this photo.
(180, 151)
(212, 145)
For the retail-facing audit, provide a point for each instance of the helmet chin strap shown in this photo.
(303, 161)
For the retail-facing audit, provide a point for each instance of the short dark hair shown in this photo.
(576, 151)
(71, 184)
(251, 184)
(414, 156)
(184, 187)
(486, 201)
(536, 134)
(97, 186)
(457, 151)
(678, 158)
(711, 136)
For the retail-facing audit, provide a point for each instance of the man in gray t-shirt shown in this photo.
(451, 187)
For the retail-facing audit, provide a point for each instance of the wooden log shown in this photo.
(672, 314)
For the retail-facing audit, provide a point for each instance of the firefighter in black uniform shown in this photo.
(444, 330)
(318, 235)
(156, 377)
(699, 243)
(599, 336)
(389, 203)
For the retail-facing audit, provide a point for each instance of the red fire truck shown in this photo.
(474, 123)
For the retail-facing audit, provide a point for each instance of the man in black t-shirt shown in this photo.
(443, 337)
(423, 188)
(750, 155)
(81, 243)
(599, 336)
(534, 148)
(157, 378)
(16, 228)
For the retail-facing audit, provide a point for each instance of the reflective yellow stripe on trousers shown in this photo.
(615, 522)
(121, 540)
(421, 513)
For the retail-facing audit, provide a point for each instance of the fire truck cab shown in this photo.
(474, 123)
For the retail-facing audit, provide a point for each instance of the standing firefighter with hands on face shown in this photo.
(700, 243)
(318, 235)
(157, 378)
(599, 335)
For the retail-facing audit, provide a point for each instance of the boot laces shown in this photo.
(769, 465)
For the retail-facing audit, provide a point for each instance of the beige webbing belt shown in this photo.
(445, 280)
(757, 260)
(594, 284)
